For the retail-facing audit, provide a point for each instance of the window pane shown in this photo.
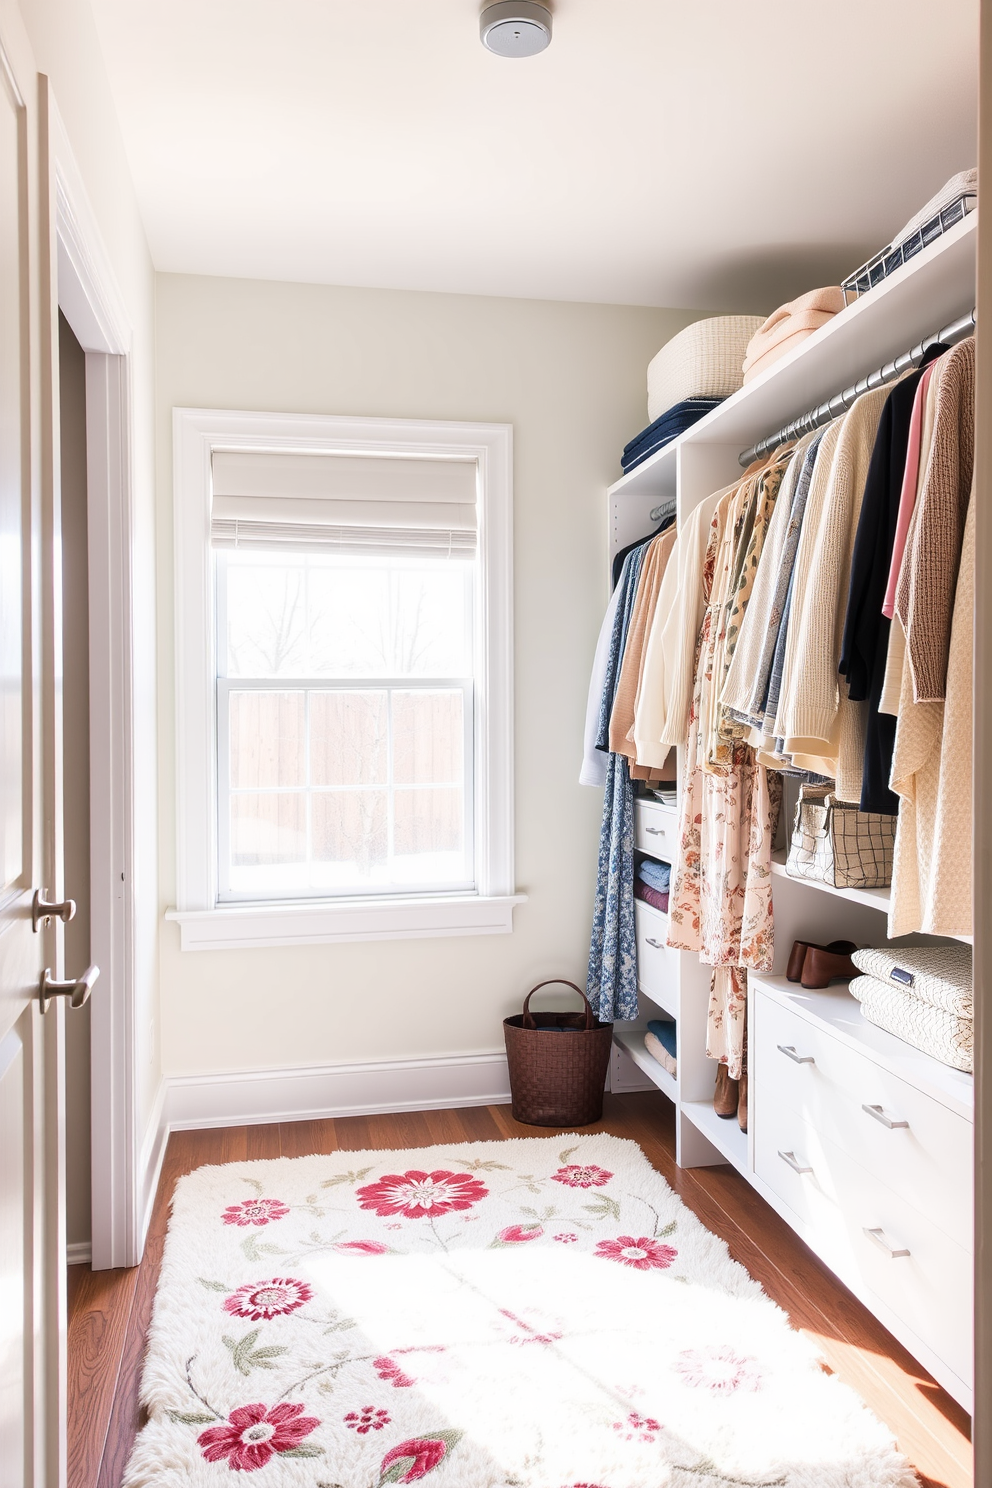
(428, 823)
(350, 828)
(268, 828)
(330, 615)
(267, 739)
(349, 734)
(428, 734)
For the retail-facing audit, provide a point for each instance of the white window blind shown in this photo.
(345, 503)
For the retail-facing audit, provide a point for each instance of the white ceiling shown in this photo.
(665, 152)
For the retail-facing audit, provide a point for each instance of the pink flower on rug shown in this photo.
(577, 1176)
(367, 1419)
(414, 1459)
(254, 1433)
(268, 1299)
(638, 1428)
(255, 1212)
(362, 1247)
(643, 1254)
(417, 1194)
(720, 1369)
(566, 1237)
(388, 1369)
(515, 1234)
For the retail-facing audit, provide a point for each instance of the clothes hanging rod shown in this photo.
(837, 405)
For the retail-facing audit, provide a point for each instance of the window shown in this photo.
(344, 738)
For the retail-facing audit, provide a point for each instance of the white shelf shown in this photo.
(873, 898)
(931, 290)
(724, 1132)
(631, 1040)
(840, 1014)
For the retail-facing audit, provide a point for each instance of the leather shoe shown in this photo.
(801, 948)
(725, 1096)
(742, 1100)
(825, 964)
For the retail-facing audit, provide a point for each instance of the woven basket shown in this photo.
(706, 360)
(557, 1063)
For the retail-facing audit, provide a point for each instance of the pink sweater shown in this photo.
(907, 497)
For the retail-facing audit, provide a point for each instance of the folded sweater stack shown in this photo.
(660, 1043)
(652, 882)
(923, 995)
(790, 325)
(673, 422)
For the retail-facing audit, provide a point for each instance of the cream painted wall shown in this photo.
(570, 378)
(64, 42)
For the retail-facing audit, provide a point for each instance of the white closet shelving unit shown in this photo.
(855, 1186)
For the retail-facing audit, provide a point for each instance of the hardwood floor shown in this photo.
(109, 1311)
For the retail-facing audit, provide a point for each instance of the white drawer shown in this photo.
(928, 1161)
(657, 966)
(860, 1227)
(656, 830)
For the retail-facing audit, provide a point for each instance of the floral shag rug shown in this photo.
(542, 1313)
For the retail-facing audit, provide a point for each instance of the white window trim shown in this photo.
(204, 924)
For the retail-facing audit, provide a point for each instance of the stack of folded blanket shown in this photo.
(922, 994)
(790, 325)
(660, 1042)
(651, 883)
(673, 422)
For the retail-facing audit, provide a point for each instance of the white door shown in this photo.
(32, 1258)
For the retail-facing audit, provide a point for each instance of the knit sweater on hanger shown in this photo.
(661, 712)
(652, 572)
(925, 596)
(810, 700)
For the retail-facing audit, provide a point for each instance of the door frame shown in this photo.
(90, 300)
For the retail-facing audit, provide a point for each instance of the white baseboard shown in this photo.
(79, 1254)
(150, 1163)
(315, 1092)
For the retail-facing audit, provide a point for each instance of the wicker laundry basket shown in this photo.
(706, 360)
(557, 1063)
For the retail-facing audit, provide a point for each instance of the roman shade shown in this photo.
(348, 503)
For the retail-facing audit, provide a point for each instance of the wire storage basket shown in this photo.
(896, 254)
(557, 1063)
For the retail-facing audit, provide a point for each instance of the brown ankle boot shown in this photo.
(824, 964)
(725, 1095)
(742, 1100)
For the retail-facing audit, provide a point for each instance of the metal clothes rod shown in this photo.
(837, 405)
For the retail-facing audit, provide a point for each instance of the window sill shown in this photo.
(243, 926)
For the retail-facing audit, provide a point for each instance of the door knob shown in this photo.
(77, 992)
(42, 910)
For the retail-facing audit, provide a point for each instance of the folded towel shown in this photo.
(660, 1044)
(790, 324)
(669, 426)
(940, 975)
(962, 184)
(650, 896)
(944, 1037)
(703, 361)
(658, 875)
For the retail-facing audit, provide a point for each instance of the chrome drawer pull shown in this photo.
(656, 943)
(793, 1162)
(879, 1238)
(880, 1115)
(657, 831)
(789, 1050)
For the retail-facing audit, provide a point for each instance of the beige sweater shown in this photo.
(925, 594)
(652, 573)
(932, 774)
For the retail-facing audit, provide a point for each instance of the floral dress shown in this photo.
(721, 900)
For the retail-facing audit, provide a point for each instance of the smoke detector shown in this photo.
(515, 28)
